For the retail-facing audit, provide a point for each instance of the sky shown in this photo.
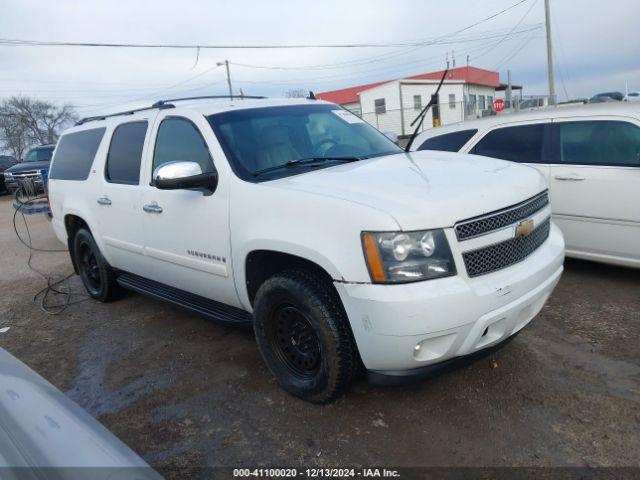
(595, 46)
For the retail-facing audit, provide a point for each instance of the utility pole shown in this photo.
(509, 91)
(552, 84)
(226, 64)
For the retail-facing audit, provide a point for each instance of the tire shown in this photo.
(96, 274)
(304, 336)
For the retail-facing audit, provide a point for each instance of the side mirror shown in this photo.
(391, 136)
(180, 175)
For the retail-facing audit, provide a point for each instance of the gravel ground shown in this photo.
(183, 391)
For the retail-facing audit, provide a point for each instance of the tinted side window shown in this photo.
(599, 143)
(125, 153)
(518, 144)
(179, 140)
(75, 153)
(449, 142)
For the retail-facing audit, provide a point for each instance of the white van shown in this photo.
(590, 155)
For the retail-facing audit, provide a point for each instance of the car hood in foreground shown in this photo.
(424, 189)
(41, 430)
(28, 166)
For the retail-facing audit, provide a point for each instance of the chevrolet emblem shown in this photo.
(524, 228)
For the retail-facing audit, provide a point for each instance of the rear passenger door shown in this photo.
(118, 201)
(595, 185)
(522, 143)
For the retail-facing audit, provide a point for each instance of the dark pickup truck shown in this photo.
(29, 170)
(6, 161)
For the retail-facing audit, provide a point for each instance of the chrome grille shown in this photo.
(504, 254)
(494, 221)
(27, 174)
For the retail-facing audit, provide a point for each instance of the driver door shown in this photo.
(186, 232)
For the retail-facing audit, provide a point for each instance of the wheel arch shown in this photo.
(73, 223)
(260, 264)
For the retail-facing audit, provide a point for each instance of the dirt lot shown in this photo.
(181, 390)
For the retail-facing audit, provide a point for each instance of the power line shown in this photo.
(355, 76)
(41, 43)
(515, 52)
(510, 33)
(562, 67)
(347, 64)
(398, 69)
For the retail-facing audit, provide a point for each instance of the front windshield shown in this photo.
(258, 139)
(39, 155)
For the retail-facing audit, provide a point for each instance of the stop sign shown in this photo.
(498, 105)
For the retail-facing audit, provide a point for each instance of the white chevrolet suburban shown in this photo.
(301, 219)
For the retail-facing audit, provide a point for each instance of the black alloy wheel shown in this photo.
(89, 268)
(304, 335)
(95, 272)
(294, 341)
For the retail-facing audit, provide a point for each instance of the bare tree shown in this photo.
(25, 121)
(13, 134)
(296, 93)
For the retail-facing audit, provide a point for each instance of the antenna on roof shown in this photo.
(311, 96)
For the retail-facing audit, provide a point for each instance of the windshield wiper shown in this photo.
(304, 161)
(420, 118)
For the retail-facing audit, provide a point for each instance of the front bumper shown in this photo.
(12, 185)
(399, 328)
(404, 377)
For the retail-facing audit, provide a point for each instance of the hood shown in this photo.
(424, 189)
(26, 166)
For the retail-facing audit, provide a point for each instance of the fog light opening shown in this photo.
(486, 330)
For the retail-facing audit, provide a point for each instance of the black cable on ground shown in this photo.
(57, 287)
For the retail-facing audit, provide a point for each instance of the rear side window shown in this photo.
(449, 142)
(518, 144)
(599, 143)
(179, 140)
(125, 153)
(75, 153)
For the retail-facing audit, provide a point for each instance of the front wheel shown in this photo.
(304, 336)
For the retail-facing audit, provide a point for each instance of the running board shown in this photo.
(204, 306)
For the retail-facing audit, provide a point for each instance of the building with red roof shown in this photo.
(393, 104)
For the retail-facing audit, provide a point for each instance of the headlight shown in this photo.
(401, 257)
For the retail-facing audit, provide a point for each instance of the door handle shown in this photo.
(572, 177)
(104, 200)
(152, 207)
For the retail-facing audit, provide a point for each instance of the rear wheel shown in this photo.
(96, 274)
(304, 336)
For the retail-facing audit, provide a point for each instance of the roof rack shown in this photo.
(162, 104)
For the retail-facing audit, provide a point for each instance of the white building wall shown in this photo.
(400, 112)
(489, 94)
(449, 114)
(389, 121)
